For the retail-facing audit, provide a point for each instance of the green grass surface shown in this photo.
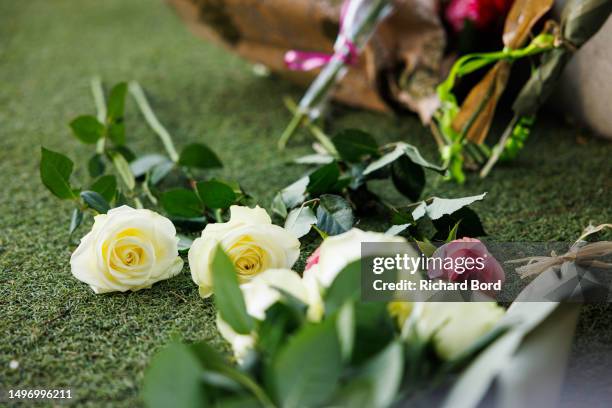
(64, 336)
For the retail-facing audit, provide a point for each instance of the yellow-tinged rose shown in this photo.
(251, 241)
(456, 326)
(127, 249)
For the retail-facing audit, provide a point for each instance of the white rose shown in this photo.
(127, 249)
(338, 251)
(261, 293)
(456, 326)
(251, 241)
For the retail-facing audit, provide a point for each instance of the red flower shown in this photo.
(465, 259)
(482, 13)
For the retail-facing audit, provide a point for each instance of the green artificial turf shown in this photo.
(64, 336)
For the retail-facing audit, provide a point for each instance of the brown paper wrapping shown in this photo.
(399, 68)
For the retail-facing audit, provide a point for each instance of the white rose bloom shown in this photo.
(261, 293)
(127, 249)
(340, 250)
(456, 326)
(251, 241)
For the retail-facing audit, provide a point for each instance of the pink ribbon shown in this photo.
(309, 60)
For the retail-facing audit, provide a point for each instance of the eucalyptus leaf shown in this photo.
(278, 205)
(95, 201)
(55, 171)
(160, 171)
(306, 371)
(181, 202)
(216, 194)
(323, 179)
(200, 156)
(353, 144)
(295, 193)
(75, 220)
(123, 168)
(228, 296)
(106, 186)
(144, 164)
(300, 221)
(334, 214)
(87, 129)
(173, 378)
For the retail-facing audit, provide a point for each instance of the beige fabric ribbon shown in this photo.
(580, 252)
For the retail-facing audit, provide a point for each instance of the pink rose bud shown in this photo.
(313, 259)
(465, 259)
(482, 13)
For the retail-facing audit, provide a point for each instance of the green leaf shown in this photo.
(334, 214)
(95, 201)
(407, 150)
(385, 160)
(116, 101)
(408, 178)
(426, 247)
(353, 144)
(216, 363)
(216, 194)
(346, 287)
(397, 229)
(199, 156)
(345, 324)
(228, 297)
(306, 371)
(323, 179)
(115, 112)
(55, 171)
(415, 156)
(123, 168)
(464, 222)
(95, 165)
(383, 375)
(174, 379)
(106, 186)
(443, 206)
(300, 221)
(87, 129)
(75, 220)
(144, 164)
(181, 202)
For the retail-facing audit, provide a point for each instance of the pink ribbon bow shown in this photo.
(309, 60)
